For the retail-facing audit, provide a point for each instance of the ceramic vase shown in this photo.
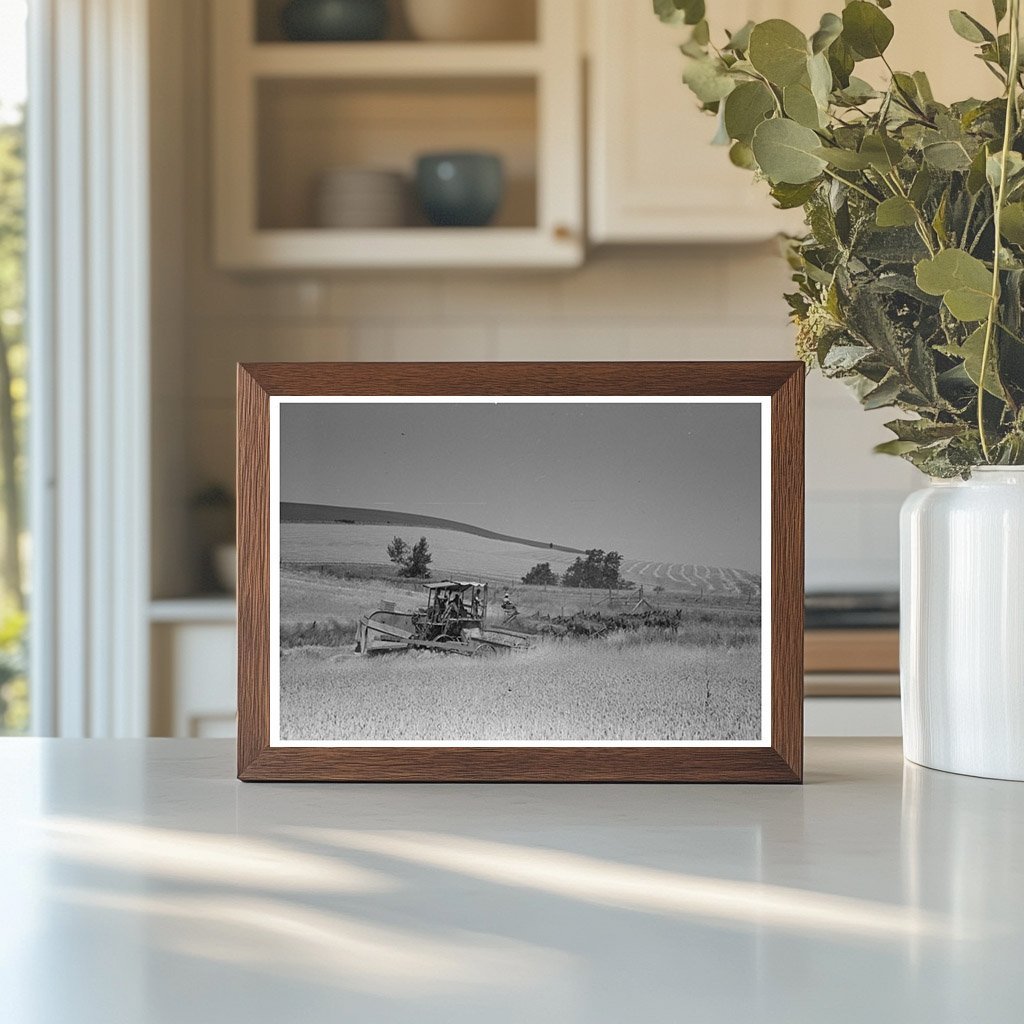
(962, 624)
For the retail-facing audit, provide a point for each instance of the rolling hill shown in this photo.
(298, 512)
(356, 539)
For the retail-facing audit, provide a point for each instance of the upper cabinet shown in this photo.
(653, 174)
(316, 143)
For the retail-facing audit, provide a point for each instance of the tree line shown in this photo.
(598, 570)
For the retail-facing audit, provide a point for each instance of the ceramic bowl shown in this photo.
(470, 20)
(360, 197)
(460, 189)
(334, 20)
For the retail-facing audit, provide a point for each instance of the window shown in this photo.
(14, 548)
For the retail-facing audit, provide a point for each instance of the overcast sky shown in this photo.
(674, 483)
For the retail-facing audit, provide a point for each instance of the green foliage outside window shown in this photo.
(13, 414)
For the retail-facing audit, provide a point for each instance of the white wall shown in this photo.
(657, 303)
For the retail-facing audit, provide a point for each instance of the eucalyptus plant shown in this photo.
(910, 278)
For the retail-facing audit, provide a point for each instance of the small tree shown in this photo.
(398, 551)
(599, 571)
(412, 562)
(417, 561)
(541, 575)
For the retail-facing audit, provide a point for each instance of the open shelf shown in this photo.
(308, 127)
(520, 17)
(288, 113)
(393, 60)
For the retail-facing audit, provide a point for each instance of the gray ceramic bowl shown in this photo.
(334, 20)
(461, 190)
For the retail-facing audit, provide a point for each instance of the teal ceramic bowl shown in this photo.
(334, 21)
(462, 190)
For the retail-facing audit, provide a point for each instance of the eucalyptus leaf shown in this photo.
(708, 80)
(844, 159)
(883, 153)
(800, 105)
(841, 60)
(829, 30)
(884, 395)
(789, 197)
(721, 136)
(675, 12)
(741, 155)
(786, 152)
(976, 178)
(947, 156)
(819, 74)
(1014, 169)
(972, 353)
(739, 41)
(969, 28)
(921, 185)
(895, 212)
(924, 87)
(1012, 225)
(866, 30)
(963, 281)
(923, 431)
(895, 447)
(779, 51)
(745, 108)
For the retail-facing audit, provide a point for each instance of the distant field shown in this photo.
(318, 607)
(459, 554)
(609, 689)
(692, 579)
(453, 553)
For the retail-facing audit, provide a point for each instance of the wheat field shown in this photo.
(613, 688)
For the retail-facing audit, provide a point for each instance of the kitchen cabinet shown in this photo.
(286, 113)
(653, 175)
(192, 648)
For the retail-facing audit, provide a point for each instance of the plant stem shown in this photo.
(923, 228)
(993, 309)
(856, 188)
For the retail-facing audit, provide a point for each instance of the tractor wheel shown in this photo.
(484, 651)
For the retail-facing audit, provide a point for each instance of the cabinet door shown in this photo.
(654, 177)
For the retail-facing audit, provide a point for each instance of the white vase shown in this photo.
(962, 624)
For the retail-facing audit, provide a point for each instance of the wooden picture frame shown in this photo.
(779, 759)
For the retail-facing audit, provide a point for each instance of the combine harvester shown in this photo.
(454, 622)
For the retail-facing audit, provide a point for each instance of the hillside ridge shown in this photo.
(305, 512)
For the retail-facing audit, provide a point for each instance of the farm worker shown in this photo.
(506, 602)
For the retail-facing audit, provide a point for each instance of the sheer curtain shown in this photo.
(88, 300)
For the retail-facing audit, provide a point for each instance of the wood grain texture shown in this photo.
(852, 650)
(781, 762)
(252, 487)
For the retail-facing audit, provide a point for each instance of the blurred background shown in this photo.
(242, 180)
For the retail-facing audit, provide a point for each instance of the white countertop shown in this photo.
(143, 885)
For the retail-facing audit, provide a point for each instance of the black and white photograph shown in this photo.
(568, 571)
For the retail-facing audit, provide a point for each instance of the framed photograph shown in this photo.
(520, 572)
